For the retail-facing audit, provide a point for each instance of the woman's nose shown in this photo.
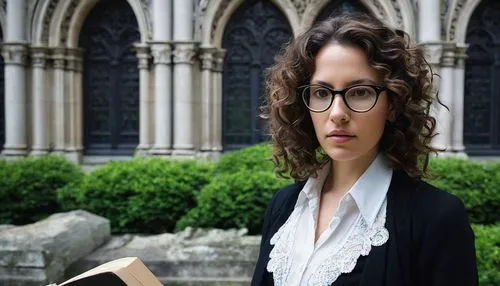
(339, 112)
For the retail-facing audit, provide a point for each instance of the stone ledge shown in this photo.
(188, 258)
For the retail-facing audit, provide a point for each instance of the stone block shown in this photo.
(38, 253)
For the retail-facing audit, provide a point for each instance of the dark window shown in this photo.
(482, 85)
(254, 35)
(338, 7)
(111, 79)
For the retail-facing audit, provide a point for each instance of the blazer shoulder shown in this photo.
(286, 196)
(431, 203)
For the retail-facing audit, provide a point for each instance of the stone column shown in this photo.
(429, 21)
(217, 101)
(207, 65)
(183, 99)
(59, 60)
(15, 56)
(73, 104)
(444, 116)
(40, 144)
(14, 52)
(458, 110)
(162, 55)
(162, 59)
(143, 54)
(184, 52)
(78, 89)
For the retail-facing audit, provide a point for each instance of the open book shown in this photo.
(128, 271)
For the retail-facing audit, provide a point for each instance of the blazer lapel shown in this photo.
(386, 260)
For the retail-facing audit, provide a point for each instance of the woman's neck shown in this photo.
(344, 174)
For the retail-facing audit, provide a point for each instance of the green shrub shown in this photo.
(28, 187)
(256, 157)
(488, 254)
(477, 184)
(234, 201)
(145, 195)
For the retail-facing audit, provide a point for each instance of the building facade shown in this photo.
(101, 78)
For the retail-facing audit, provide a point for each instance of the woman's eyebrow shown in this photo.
(354, 82)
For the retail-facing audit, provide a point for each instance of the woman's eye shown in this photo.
(361, 92)
(320, 93)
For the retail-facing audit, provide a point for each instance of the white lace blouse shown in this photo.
(358, 224)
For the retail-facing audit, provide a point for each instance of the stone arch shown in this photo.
(219, 12)
(42, 15)
(458, 18)
(59, 22)
(66, 25)
(397, 13)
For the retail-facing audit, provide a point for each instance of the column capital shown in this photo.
(219, 56)
(15, 53)
(433, 52)
(207, 57)
(73, 57)
(461, 55)
(448, 54)
(162, 52)
(59, 57)
(184, 52)
(39, 56)
(143, 52)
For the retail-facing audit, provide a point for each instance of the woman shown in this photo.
(348, 107)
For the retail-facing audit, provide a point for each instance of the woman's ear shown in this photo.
(391, 113)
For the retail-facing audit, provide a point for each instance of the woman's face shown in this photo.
(343, 134)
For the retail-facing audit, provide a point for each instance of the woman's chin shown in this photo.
(342, 154)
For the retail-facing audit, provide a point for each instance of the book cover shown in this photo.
(127, 271)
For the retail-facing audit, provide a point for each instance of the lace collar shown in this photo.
(368, 231)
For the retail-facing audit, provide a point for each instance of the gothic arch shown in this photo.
(458, 18)
(219, 12)
(68, 25)
(42, 15)
(398, 13)
(57, 22)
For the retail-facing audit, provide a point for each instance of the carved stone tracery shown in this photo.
(144, 55)
(15, 53)
(66, 20)
(39, 57)
(454, 20)
(162, 53)
(46, 20)
(184, 53)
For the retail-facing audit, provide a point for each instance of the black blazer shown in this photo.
(430, 241)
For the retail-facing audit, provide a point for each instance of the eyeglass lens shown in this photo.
(357, 98)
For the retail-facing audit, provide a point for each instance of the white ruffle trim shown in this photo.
(360, 242)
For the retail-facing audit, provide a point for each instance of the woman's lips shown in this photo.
(340, 139)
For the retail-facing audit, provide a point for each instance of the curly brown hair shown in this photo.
(405, 72)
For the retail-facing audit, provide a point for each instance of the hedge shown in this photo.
(146, 195)
(476, 183)
(28, 187)
(235, 200)
(256, 157)
(488, 254)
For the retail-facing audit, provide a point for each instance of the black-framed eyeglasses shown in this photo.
(358, 98)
